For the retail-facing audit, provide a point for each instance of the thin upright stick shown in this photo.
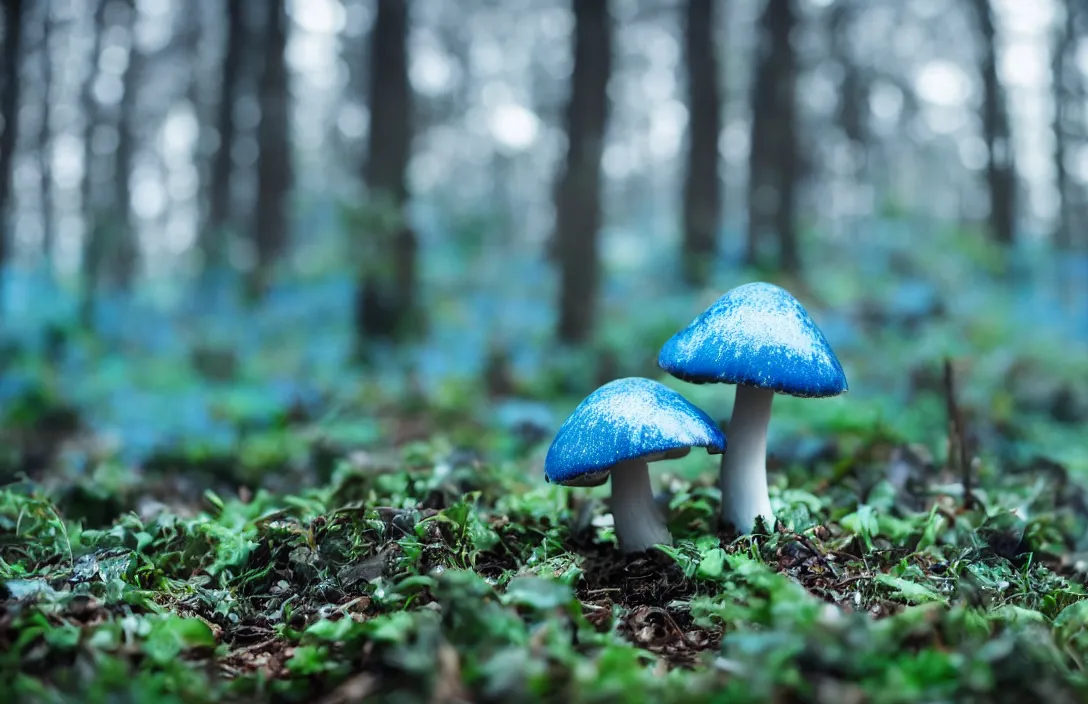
(957, 442)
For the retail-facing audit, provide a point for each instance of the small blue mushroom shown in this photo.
(617, 430)
(760, 338)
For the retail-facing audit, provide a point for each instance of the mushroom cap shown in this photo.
(756, 335)
(623, 420)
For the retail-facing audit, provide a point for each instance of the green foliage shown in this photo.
(394, 540)
(491, 595)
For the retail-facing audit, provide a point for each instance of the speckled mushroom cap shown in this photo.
(623, 420)
(756, 335)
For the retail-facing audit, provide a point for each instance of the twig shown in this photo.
(957, 442)
(678, 632)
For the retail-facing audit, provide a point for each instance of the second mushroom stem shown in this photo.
(638, 521)
(744, 465)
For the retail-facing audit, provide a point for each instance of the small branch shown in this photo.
(957, 442)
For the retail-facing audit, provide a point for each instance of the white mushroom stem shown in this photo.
(638, 522)
(744, 465)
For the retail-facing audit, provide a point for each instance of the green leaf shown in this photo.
(1072, 618)
(864, 523)
(65, 636)
(172, 635)
(909, 591)
(537, 593)
(934, 524)
(390, 628)
(334, 631)
(26, 588)
(712, 564)
(143, 539)
(1011, 613)
(309, 660)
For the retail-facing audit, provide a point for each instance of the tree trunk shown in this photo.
(9, 111)
(774, 164)
(189, 34)
(789, 160)
(90, 191)
(702, 190)
(45, 140)
(1001, 170)
(272, 217)
(853, 91)
(1064, 105)
(124, 251)
(578, 196)
(386, 298)
(762, 197)
(214, 233)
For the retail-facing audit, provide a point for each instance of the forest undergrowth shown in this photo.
(403, 546)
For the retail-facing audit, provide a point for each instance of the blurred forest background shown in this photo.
(303, 197)
(294, 295)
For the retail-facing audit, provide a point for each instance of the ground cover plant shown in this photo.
(397, 540)
(381, 350)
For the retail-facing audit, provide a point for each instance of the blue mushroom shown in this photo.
(760, 338)
(617, 430)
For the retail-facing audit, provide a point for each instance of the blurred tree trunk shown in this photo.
(189, 34)
(774, 163)
(853, 91)
(578, 196)
(45, 139)
(1067, 83)
(9, 112)
(852, 114)
(90, 191)
(385, 306)
(1067, 100)
(702, 190)
(1001, 169)
(124, 249)
(272, 216)
(214, 234)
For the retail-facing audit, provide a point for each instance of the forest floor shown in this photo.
(402, 545)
